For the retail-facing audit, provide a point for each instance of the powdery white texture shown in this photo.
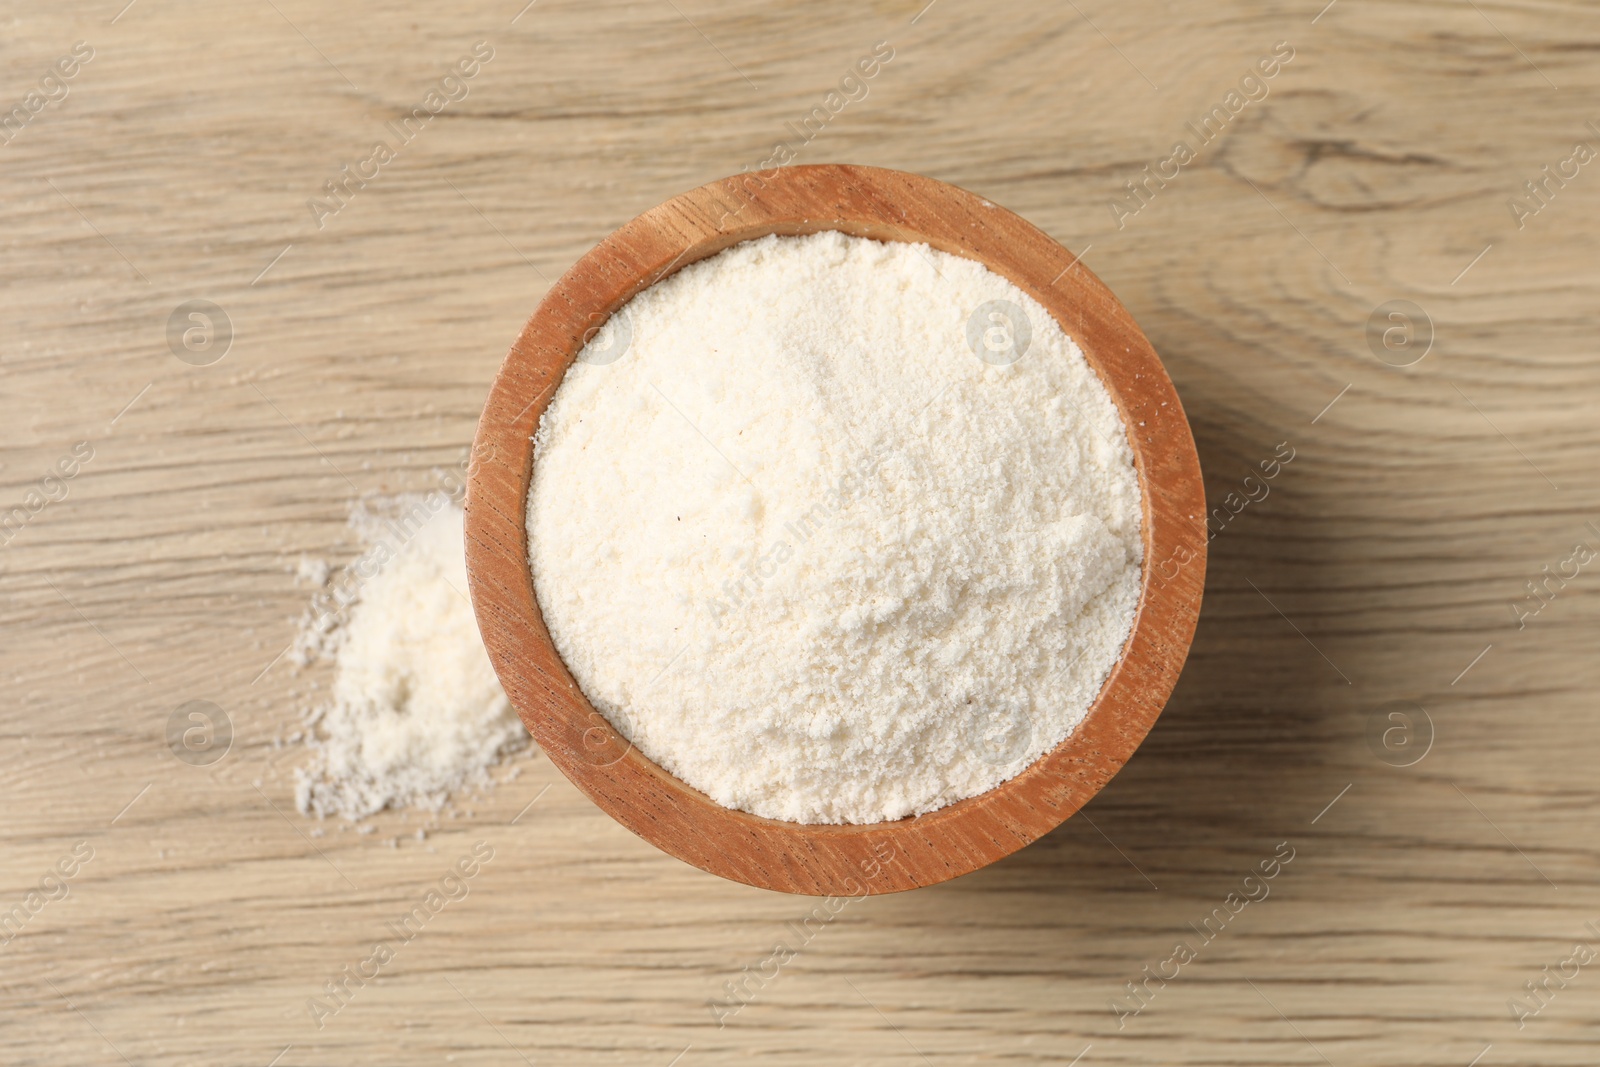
(814, 557)
(416, 712)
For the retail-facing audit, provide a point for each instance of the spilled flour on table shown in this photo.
(416, 712)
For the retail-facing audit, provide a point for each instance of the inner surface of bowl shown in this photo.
(832, 858)
(873, 523)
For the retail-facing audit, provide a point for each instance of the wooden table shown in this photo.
(1385, 571)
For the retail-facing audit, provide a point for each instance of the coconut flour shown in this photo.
(416, 712)
(836, 531)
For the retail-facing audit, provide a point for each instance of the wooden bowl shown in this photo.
(833, 860)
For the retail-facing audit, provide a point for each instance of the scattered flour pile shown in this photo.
(416, 710)
(819, 544)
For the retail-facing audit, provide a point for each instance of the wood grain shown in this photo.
(822, 860)
(1394, 544)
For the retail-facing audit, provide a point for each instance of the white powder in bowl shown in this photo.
(836, 531)
(416, 711)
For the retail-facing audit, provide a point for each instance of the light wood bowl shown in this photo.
(833, 860)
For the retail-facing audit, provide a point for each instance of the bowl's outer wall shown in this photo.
(811, 859)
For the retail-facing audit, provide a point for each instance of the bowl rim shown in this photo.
(831, 859)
